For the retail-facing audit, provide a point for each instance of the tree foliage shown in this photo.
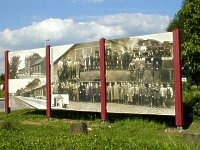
(187, 20)
(13, 66)
(1, 85)
(1, 78)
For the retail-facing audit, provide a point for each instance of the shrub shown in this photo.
(191, 99)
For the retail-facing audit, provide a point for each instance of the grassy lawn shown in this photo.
(30, 129)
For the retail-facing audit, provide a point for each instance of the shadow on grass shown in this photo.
(169, 121)
(113, 117)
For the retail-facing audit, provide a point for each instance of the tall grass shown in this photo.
(32, 130)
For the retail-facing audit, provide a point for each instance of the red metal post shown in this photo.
(177, 78)
(103, 80)
(6, 83)
(48, 81)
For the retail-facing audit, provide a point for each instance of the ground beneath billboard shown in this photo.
(92, 106)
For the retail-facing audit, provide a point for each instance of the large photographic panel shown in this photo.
(27, 79)
(139, 76)
(76, 78)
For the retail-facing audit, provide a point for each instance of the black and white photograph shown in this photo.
(27, 64)
(139, 75)
(27, 75)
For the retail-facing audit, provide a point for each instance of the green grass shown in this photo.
(30, 129)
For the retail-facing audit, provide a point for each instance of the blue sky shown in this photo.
(19, 13)
(26, 24)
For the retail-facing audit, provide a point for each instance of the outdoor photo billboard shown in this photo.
(139, 76)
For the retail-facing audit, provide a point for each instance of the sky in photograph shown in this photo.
(27, 24)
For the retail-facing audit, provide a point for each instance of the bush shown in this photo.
(186, 86)
(191, 99)
(196, 110)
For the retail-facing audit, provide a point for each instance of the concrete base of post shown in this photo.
(179, 128)
(49, 118)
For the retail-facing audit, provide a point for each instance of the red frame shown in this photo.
(104, 117)
(103, 80)
(6, 83)
(177, 77)
(48, 81)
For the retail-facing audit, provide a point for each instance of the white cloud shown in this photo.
(1, 60)
(65, 31)
(68, 31)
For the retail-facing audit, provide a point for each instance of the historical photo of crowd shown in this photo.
(138, 72)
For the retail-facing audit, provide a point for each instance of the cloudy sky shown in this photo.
(27, 24)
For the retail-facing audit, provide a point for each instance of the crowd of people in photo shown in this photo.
(79, 91)
(116, 59)
(130, 93)
(144, 87)
(152, 95)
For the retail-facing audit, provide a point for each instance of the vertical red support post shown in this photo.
(103, 80)
(6, 83)
(48, 82)
(177, 78)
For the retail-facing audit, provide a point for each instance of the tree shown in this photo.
(1, 82)
(187, 20)
(13, 66)
(2, 78)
